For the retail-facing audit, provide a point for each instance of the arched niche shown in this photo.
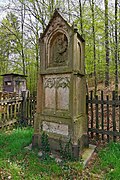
(58, 50)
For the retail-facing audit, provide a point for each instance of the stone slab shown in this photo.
(87, 154)
(29, 147)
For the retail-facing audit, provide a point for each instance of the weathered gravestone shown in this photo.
(61, 95)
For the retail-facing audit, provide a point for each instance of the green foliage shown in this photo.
(16, 162)
(66, 150)
(72, 170)
(109, 161)
(13, 142)
(19, 163)
(13, 49)
(45, 146)
(14, 44)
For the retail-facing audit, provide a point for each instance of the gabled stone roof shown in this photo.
(57, 13)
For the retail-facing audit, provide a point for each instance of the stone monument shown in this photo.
(61, 93)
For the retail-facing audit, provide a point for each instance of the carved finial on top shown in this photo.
(75, 27)
(57, 9)
(41, 34)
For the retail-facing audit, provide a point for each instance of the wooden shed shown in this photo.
(14, 83)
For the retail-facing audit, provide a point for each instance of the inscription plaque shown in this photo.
(56, 90)
(63, 98)
(50, 98)
(55, 128)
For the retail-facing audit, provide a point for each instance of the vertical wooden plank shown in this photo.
(1, 109)
(23, 110)
(97, 119)
(7, 109)
(15, 111)
(30, 109)
(102, 114)
(87, 111)
(34, 111)
(119, 114)
(20, 109)
(0, 115)
(113, 113)
(91, 111)
(34, 105)
(27, 108)
(108, 121)
(11, 111)
(1, 94)
(4, 116)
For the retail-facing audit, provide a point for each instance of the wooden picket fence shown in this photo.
(15, 109)
(28, 109)
(9, 108)
(103, 113)
(103, 117)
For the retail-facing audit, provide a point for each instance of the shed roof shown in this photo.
(13, 74)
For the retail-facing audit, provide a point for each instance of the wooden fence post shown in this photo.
(108, 119)
(87, 111)
(113, 113)
(97, 119)
(102, 113)
(91, 108)
(23, 120)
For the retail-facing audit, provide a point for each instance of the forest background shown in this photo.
(98, 21)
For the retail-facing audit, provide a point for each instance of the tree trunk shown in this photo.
(69, 11)
(106, 44)
(119, 37)
(81, 19)
(22, 40)
(116, 49)
(94, 44)
(51, 5)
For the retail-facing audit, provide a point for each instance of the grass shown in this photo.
(109, 162)
(18, 163)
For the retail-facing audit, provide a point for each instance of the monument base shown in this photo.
(85, 155)
(35, 140)
(58, 146)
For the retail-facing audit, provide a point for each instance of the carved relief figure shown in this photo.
(59, 49)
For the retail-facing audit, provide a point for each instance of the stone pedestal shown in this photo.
(61, 94)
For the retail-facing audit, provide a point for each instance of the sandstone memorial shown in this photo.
(61, 93)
